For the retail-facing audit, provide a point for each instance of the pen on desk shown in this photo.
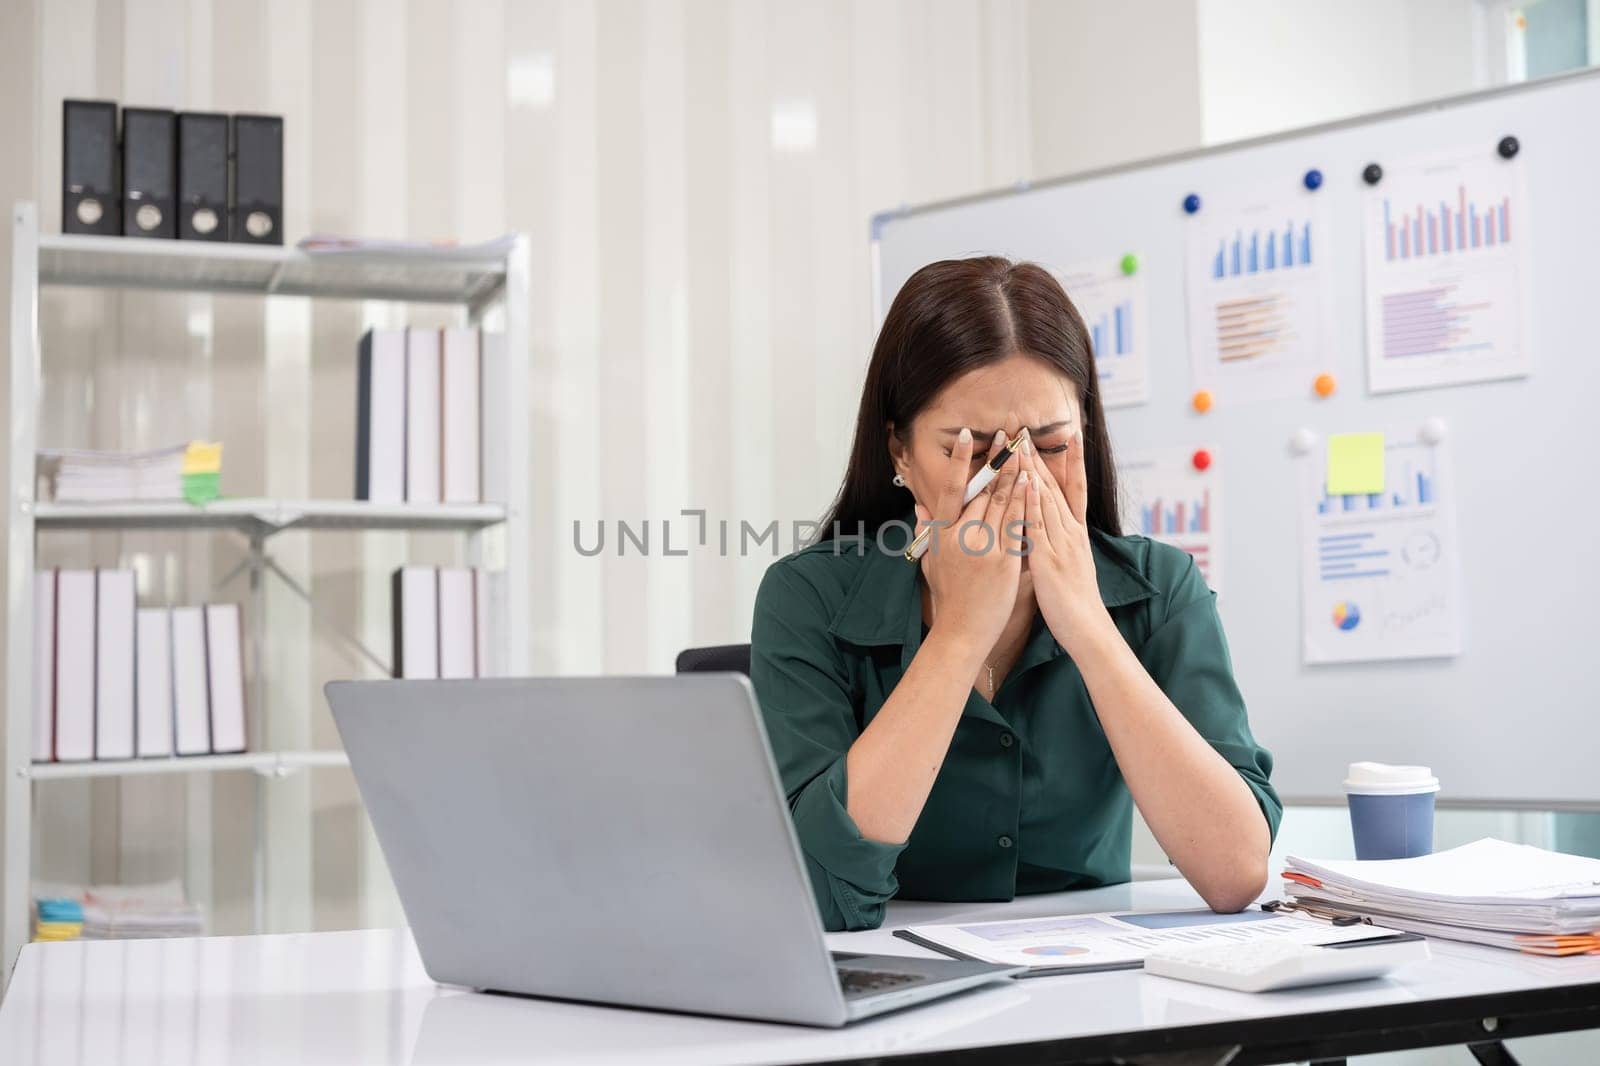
(979, 482)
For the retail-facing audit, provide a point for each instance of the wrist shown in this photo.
(956, 644)
(1094, 638)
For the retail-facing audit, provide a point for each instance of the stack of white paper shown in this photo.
(136, 912)
(92, 477)
(1487, 892)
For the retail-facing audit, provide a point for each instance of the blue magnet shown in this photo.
(1191, 203)
(1313, 179)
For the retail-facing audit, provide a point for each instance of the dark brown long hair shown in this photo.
(951, 317)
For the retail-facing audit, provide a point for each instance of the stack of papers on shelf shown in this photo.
(1488, 892)
(328, 244)
(117, 912)
(183, 471)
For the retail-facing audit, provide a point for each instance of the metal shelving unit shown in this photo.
(265, 763)
(495, 531)
(264, 517)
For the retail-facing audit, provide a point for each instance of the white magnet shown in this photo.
(1303, 441)
(1433, 430)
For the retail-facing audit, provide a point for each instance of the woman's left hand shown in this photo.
(1059, 558)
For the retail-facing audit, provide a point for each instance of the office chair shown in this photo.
(721, 658)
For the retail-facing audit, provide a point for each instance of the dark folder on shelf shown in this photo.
(202, 176)
(257, 201)
(91, 187)
(149, 172)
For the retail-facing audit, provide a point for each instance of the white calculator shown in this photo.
(1274, 963)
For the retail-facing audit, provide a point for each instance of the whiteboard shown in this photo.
(1514, 720)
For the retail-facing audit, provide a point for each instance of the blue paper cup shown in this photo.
(1391, 810)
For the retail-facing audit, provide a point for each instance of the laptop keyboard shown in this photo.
(866, 982)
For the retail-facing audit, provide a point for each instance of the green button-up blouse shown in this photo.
(1030, 798)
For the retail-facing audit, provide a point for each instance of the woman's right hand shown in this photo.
(972, 573)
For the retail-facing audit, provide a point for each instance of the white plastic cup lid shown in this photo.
(1381, 779)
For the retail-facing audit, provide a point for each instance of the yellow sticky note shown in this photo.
(202, 458)
(1355, 464)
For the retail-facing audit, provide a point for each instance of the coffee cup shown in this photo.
(1391, 809)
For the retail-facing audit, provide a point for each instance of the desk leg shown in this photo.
(1493, 1053)
(1327, 1062)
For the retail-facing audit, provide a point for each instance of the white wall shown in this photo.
(1268, 65)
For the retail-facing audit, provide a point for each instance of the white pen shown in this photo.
(979, 482)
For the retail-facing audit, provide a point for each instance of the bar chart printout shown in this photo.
(1259, 295)
(1446, 273)
(1113, 308)
(1166, 499)
(1380, 577)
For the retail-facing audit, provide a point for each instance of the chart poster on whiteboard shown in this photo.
(1112, 304)
(1260, 293)
(1380, 573)
(1164, 497)
(1447, 272)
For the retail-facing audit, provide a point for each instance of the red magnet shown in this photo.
(1202, 459)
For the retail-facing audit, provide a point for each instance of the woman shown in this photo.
(978, 724)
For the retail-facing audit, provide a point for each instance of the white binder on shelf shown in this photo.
(225, 668)
(153, 706)
(416, 622)
(115, 609)
(494, 455)
(423, 404)
(75, 637)
(191, 695)
(461, 431)
(381, 417)
(44, 666)
(489, 587)
(458, 623)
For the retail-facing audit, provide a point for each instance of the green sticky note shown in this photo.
(1355, 464)
(202, 488)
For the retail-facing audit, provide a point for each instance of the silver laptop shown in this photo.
(614, 840)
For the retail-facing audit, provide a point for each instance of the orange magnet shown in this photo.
(1325, 385)
(1201, 459)
(1201, 401)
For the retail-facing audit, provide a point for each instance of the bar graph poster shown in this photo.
(1380, 573)
(1113, 307)
(1165, 498)
(1260, 295)
(1447, 273)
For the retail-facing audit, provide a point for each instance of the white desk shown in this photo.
(362, 997)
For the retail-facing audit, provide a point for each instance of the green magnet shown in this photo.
(1130, 264)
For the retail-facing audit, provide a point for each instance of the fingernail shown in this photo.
(1022, 479)
(966, 435)
(1000, 439)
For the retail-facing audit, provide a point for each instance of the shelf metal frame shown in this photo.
(495, 531)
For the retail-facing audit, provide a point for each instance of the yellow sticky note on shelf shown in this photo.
(202, 457)
(1355, 464)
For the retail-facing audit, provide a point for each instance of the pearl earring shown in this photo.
(899, 482)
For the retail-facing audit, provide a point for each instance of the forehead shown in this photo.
(1020, 389)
